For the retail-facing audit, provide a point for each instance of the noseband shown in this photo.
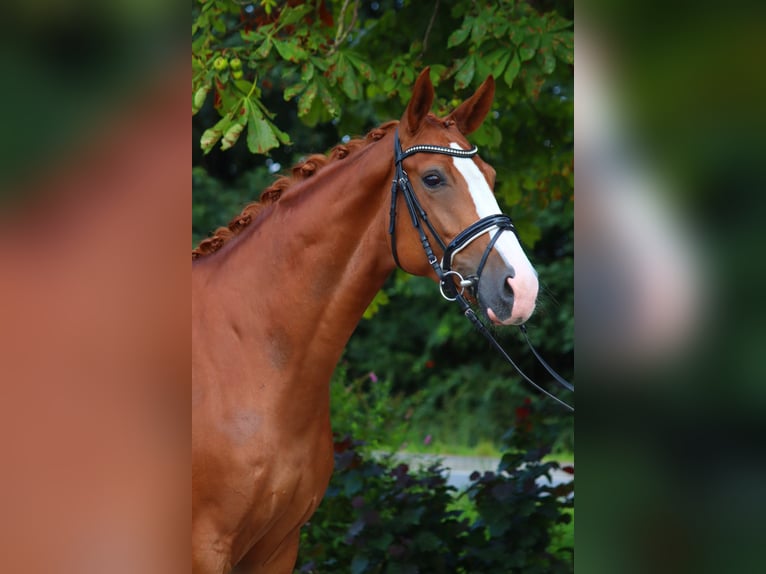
(443, 269)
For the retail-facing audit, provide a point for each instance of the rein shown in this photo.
(443, 268)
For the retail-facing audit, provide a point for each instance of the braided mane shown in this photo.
(271, 194)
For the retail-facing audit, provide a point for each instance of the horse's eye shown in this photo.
(432, 180)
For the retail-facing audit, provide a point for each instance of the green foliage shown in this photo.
(324, 58)
(364, 406)
(379, 516)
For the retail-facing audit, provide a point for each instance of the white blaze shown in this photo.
(524, 282)
(484, 200)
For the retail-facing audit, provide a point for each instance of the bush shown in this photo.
(382, 517)
(364, 406)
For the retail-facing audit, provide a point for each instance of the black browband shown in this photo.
(443, 269)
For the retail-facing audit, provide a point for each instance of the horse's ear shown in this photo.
(469, 115)
(420, 103)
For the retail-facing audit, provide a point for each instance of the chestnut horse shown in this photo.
(276, 296)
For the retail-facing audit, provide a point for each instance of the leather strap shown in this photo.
(443, 269)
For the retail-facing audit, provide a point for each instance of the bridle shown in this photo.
(443, 269)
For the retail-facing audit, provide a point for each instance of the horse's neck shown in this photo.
(301, 280)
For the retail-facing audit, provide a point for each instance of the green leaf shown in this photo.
(437, 72)
(512, 70)
(316, 114)
(351, 85)
(330, 104)
(508, 192)
(293, 91)
(563, 47)
(307, 72)
(547, 61)
(244, 86)
(497, 61)
(545, 41)
(499, 28)
(556, 22)
(264, 49)
(363, 67)
(380, 299)
(251, 36)
(465, 72)
(461, 34)
(533, 79)
(290, 50)
(211, 135)
(232, 134)
(200, 95)
(480, 27)
(281, 136)
(529, 47)
(483, 68)
(307, 99)
(219, 25)
(348, 80)
(260, 136)
(529, 233)
(292, 15)
(488, 135)
(320, 63)
(517, 33)
(526, 53)
(389, 83)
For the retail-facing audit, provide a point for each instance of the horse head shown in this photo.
(455, 209)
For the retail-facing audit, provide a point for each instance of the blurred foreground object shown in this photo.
(671, 467)
(639, 275)
(94, 328)
(64, 68)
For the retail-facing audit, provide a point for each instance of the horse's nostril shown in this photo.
(507, 289)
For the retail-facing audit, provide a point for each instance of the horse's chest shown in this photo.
(268, 486)
(283, 494)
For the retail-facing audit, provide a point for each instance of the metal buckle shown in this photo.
(461, 281)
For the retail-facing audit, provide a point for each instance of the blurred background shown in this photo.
(94, 313)
(669, 145)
